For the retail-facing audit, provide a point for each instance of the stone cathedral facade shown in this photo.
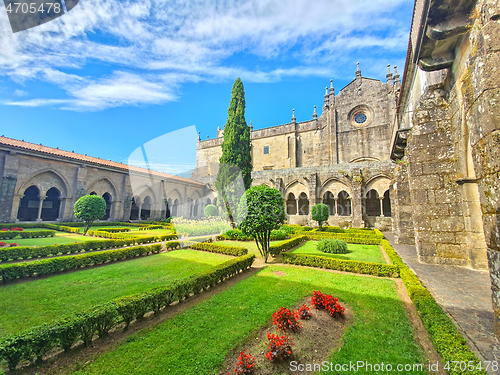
(340, 158)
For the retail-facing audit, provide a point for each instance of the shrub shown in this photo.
(89, 208)
(285, 319)
(305, 312)
(236, 235)
(328, 303)
(369, 268)
(245, 364)
(8, 235)
(211, 210)
(221, 249)
(275, 250)
(37, 234)
(116, 230)
(320, 212)
(332, 246)
(278, 234)
(280, 347)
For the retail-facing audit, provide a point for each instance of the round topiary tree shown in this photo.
(261, 210)
(211, 210)
(320, 213)
(90, 208)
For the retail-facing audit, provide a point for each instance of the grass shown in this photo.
(32, 303)
(198, 340)
(135, 230)
(365, 253)
(59, 238)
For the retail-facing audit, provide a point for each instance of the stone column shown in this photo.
(140, 209)
(357, 206)
(7, 188)
(297, 205)
(336, 206)
(16, 202)
(381, 199)
(60, 214)
(42, 198)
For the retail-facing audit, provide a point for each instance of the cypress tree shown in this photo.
(236, 155)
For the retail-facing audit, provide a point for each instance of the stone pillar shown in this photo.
(60, 214)
(381, 199)
(40, 206)
(357, 205)
(402, 212)
(297, 205)
(7, 188)
(67, 213)
(336, 206)
(140, 209)
(16, 202)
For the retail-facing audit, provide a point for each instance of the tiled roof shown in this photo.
(89, 159)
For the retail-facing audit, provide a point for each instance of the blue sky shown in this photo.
(112, 75)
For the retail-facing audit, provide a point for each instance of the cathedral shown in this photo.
(418, 156)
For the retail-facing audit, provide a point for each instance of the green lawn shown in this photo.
(135, 230)
(32, 303)
(365, 253)
(198, 340)
(59, 238)
(250, 245)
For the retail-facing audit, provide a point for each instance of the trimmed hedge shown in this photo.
(238, 235)
(443, 334)
(37, 233)
(63, 228)
(116, 230)
(50, 266)
(8, 235)
(275, 250)
(27, 252)
(166, 237)
(369, 268)
(35, 344)
(220, 249)
(148, 227)
(345, 237)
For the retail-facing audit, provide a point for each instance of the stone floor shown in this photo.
(464, 294)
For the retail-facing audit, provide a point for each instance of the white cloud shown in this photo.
(18, 92)
(153, 46)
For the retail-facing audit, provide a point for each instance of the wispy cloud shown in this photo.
(153, 46)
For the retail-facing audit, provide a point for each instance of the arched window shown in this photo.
(146, 208)
(386, 204)
(344, 204)
(134, 209)
(50, 206)
(291, 205)
(196, 208)
(329, 200)
(30, 202)
(168, 208)
(303, 204)
(372, 203)
(107, 198)
(93, 193)
(175, 207)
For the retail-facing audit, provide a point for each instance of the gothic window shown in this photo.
(360, 118)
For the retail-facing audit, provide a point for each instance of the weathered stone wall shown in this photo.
(20, 170)
(481, 91)
(402, 210)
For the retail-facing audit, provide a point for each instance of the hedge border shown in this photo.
(34, 344)
(220, 249)
(354, 266)
(10, 272)
(275, 250)
(443, 334)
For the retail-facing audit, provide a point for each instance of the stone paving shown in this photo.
(465, 295)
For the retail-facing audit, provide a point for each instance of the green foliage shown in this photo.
(375, 269)
(236, 155)
(221, 249)
(37, 233)
(99, 320)
(347, 237)
(261, 210)
(238, 235)
(50, 266)
(116, 230)
(275, 250)
(332, 246)
(211, 210)
(443, 334)
(90, 208)
(320, 213)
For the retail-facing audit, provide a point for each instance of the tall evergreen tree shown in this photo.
(236, 157)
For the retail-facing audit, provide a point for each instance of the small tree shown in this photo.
(320, 213)
(90, 208)
(211, 210)
(261, 210)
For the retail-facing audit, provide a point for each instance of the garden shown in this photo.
(199, 297)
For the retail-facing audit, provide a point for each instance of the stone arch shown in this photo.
(175, 207)
(386, 204)
(29, 204)
(102, 186)
(51, 205)
(380, 183)
(296, 187)
(344, 202)
(291, 204)
(363, 159)
(329, 200)
(109, 199)
(372, 203)
(335, 186)
(44, 180)
(303, 204)
(146, 208)
(134, 208)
